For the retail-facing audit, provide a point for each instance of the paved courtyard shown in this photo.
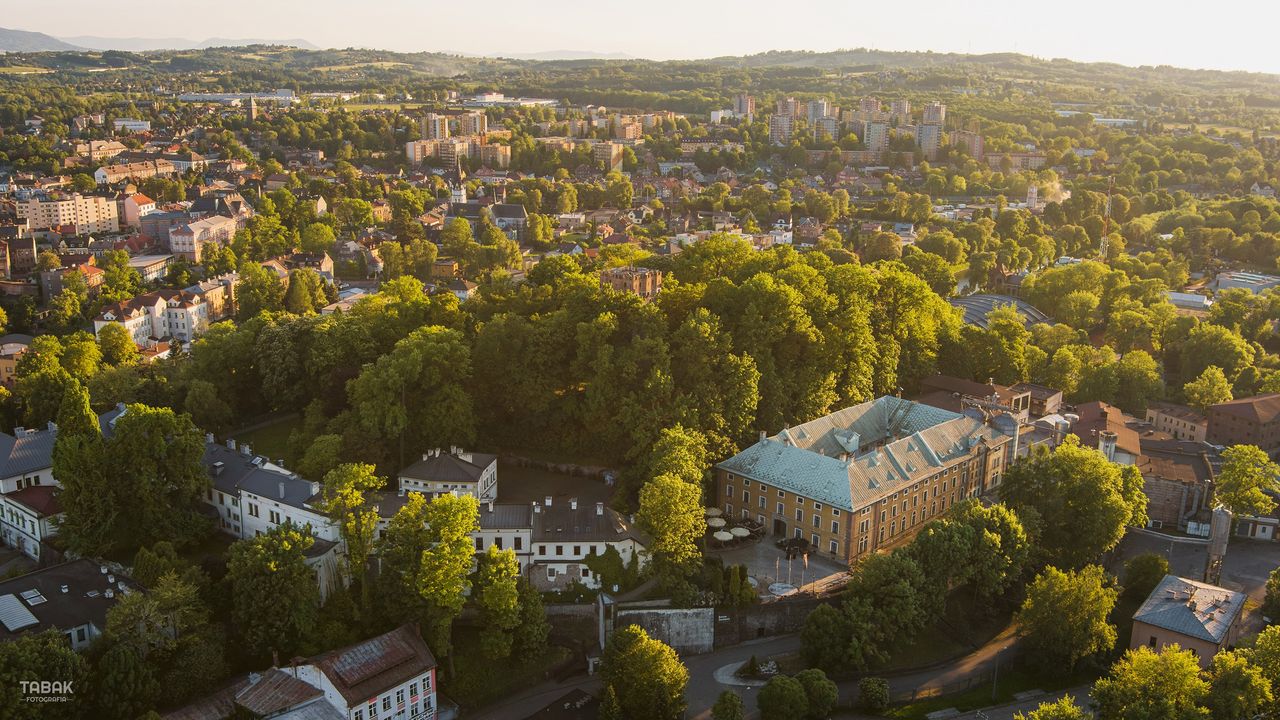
(1246, 567)
(767, 564)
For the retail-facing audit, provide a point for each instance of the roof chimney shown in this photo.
(573, 503)
(548, 501)
(490, 505)
(599, 508)
(208, 438)
(65, 589)
(537, 508)
(231, 443)
(281, 489)
(245, 449)
(52, 426)
(763, 435)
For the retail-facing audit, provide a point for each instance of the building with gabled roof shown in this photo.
(28, 499)
(867, 477)
(1246, 421)
(1196, 616)
(386, 677)
(458, 472)
(157, 315)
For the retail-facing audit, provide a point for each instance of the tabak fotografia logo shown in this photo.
(46, 691)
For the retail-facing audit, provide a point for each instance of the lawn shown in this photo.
(23, 70)
(271, 441)
(1013, 679)
(479, 680)
(960, 631)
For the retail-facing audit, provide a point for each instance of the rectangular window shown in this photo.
(746, 496)
(728, 491)
(815, 541)
(479, 544)
(862, 545)
(799, 500)
(817, 506)
(551, 573)
(817, 520)
(780, 509)
(835, 526)
(893, 528)
(761, 502)
(253, 510)
(519, 543)
(799, 515)
(559, 550)
(275, 517)
(400, 697)
(586, 573)
(577, 551)
(542, 549)
(781, 494)
(386, 703)
(498, 542)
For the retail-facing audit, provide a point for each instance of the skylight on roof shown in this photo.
(13, 615)
(33, 597)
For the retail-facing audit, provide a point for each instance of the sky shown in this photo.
(1225, 35)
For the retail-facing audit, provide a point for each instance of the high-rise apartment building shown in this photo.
(875, 136)
(744, 105)
(780, 129)
(476, 123)
(818, 109)
(934, 114)
(900, 112)
(435, 127)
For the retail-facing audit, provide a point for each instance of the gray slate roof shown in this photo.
(32, 450)
(448, 468)
(240, 471)
(856, 455)
(1194, 609)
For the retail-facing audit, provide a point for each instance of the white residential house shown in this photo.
(158, 315)
(389, 677)
(253, 495)
(458, 471)
(28, 499)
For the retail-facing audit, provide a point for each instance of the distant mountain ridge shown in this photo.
(26, 41)
(138, 44)
(565, 55)
(14, 41)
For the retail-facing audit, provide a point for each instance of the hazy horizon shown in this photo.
(1235, 37)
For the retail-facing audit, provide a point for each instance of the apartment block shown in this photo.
(435, 126)
(86, 213)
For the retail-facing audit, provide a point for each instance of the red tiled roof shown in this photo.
(1258, 409)
(39, 498)
(368, 668)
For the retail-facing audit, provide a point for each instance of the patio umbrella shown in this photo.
(722, 536)
(714, 512)
(715, 522)
(739, 532)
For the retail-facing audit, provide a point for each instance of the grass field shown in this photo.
(353, 66)
(271, 441)
(23, 70)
